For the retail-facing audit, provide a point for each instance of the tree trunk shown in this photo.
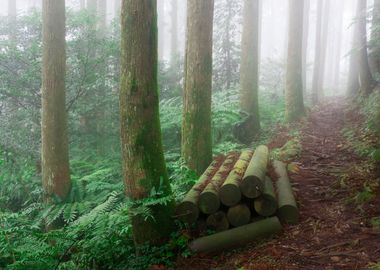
(317, 56)
(294, 89)
(305, 43)
(249, 73)
(174, 33)
(338, 54)
(102, 10)
(365, 76)
(252, 184)
(238, 236)
(230, 193)
(227, 45)
(143, 158)
(196, 124)
(375, 38)
(117, 8)
(353, 73)
(55, 148)
(161, 29)
(287, 206)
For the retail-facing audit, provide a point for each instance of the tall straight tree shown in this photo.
(143, 158)
(196, 123)
(365, 77)
(55, 149)
(249, 73)
(305, 42)
(294, 90)
(353, 84)
(174, 31)
(317, 56)
(375, 38)
(338, 35)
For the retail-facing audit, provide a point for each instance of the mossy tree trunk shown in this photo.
(196, 123)
(294, 87)
(249, 73)
(55, 149)
(143, 158)
(365, 77)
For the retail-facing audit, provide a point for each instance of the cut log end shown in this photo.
(289, 214)
(218, 222)
(187, 212)
(239, 215)
(252, 187)
(265, 205)
(209, 203)
(230, 194)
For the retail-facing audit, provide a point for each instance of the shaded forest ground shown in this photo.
(338, 194)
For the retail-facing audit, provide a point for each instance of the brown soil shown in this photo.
(334, 232)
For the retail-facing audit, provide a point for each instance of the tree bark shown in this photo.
(252, 184)
(287, 211)
(230, 193)
(294, 89)
(249, 73)
(238, 236)
(196, 123)
(55, 148)
(143, 158)
(188, 210)
(365, 77)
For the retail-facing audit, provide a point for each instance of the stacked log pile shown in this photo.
(239, 201)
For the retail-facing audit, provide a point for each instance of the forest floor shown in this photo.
(337, 200)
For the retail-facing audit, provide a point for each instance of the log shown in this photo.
(252, 184)
(230, 193)
(287, 206)
(239, 215)
(218, 221)
(266, 204)
(209, 201)
(187, 210)
(238, 236)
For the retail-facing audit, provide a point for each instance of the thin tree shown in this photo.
(305, 42)
(55, 148)
(249, 71)
(82, 4)
(143, 158)
(102, 10)
(365, 77)
(338, 53)
(375, 38)
(294, 89)
(317, 56)
(353, 84)
(174, 32)
(196, 123)
(323, 47)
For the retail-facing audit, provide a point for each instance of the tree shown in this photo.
(12, 14)
(196, 123)
(365, 77)
(102, 6)
(249, 72)
(338, 36)
(55, 149)
(294, 89)
(143, 159)
(318, 55)
(226, 49)
(174, 32)
(161, 28)
(353, 72)
(305, 42)
(375, 38)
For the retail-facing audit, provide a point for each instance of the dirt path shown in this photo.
(333, 233)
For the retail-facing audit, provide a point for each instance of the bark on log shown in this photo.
(230, 193)
(252, 184)
(239, 215)
(266, 204)
(187, 210)
(218, 221)
(209, 201)
(238, 236)
(287, 211)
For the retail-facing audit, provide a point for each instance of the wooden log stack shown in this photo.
(239, 201)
